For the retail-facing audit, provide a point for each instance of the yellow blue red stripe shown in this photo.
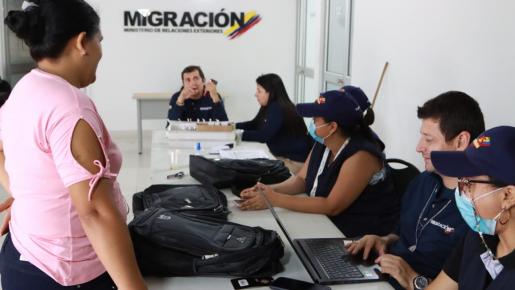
(250, 20)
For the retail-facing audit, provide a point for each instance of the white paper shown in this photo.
(243, 154)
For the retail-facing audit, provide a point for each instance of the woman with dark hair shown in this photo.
(277, 123)
(485, 197)
(345, 174)
(67, 214)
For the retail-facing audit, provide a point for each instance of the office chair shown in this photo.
(402, 176)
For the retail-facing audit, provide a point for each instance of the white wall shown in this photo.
(152, 62)
(433, 46)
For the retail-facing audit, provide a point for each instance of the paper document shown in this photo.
(243, 154)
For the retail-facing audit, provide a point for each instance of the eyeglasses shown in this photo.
(463, 182)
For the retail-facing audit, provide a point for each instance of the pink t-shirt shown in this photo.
(36, 127)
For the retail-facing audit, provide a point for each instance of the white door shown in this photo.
(16, 55)
(336, 72)
(309, 31)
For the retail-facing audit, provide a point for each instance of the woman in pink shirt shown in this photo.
(67, 218)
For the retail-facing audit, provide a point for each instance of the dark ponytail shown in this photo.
(363, 129)
(47, 25)
(368, 118)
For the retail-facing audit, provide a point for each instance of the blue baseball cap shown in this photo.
(492, 154)
(338, 106)
(359, 96)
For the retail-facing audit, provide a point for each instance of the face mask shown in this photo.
(312, 128)
(473, 220)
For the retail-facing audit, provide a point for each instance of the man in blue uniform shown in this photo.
(430, 224)
(197, 99)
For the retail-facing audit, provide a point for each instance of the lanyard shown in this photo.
(419, 224)
(321, 166)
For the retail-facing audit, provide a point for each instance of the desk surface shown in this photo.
(299, 225)
(152, 96)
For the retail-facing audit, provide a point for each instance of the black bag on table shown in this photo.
(237, 173)
(198, 200)
(171, 244)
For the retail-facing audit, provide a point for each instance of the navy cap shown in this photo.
(338, 106)
(492, 154)
(358, 95)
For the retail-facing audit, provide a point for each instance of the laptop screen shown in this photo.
(276, 217)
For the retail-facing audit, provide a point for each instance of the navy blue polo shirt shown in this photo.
(466, 267)
(201, 109)
(430, 207)
(273, 131)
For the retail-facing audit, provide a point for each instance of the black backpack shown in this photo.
(198, 200)
(171, 244)
(237, 173)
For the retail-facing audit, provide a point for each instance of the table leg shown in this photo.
(140, 131)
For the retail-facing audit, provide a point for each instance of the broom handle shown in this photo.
(379, 84)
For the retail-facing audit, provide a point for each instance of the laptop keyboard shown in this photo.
(333, 259)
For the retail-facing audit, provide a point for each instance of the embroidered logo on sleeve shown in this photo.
(320, 100)
(483, 141)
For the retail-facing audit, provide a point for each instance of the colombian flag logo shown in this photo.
(251, 19)
(320, 100)
(483, 141)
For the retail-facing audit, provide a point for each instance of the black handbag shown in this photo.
(237, 173)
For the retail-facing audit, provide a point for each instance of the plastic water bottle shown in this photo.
(197, 148)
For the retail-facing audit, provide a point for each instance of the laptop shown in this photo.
(326, 259)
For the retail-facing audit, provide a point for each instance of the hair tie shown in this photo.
(26, 5)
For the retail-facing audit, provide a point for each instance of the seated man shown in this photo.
(197, 100)
(430, 223)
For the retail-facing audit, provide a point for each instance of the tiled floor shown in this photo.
(135, 173)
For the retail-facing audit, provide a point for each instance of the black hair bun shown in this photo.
(26, 25)
(369, 117)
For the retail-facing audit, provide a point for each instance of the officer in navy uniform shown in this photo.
(197, 99)
(345, 174)
(430, 224)
(486, 200)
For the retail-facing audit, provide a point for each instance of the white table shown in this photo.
(151, 106)
(299, 225)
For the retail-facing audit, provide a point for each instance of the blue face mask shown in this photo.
(312, 128)
(473, 220)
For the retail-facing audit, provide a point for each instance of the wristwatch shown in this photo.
(420, 282)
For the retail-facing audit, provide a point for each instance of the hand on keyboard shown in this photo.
(368, 245)
(358, 259)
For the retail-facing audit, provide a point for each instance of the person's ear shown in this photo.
(80, 43)
(508, 200)
(333, 127)
(462, 141)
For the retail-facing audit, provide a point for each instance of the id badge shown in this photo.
(244, 283)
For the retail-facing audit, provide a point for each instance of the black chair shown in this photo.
(401, 176)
